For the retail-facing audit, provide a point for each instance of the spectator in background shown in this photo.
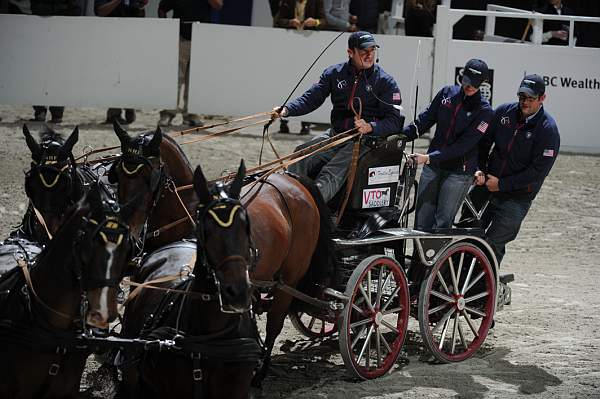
(420, 17)
(337, 13)
(366, 13)
(187, 11)
(556, 32)
(121, 9)
(299, 14)
(48, 8)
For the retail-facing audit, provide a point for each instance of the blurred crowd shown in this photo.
(418, 18)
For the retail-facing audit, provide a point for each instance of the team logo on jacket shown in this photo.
(446, 101)
(505, 121)
(342, 84)
(528, 135)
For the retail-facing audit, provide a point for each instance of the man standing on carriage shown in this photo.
(363, 96)
(526, 143)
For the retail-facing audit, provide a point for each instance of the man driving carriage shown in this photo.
(363, 96)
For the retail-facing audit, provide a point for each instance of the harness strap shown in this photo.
(40, 219)
(25, 269)
(353, 164)
(350, 178)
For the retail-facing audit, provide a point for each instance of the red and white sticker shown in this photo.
(376, 197)
(548, 152)
(482, 126)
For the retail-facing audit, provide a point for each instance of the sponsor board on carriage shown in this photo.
(384, 174)
(376, 197)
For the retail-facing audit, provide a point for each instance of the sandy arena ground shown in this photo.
(545, 345)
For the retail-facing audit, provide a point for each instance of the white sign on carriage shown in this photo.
(376, 197)
(384, 174)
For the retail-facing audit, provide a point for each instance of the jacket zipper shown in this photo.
(510, 144)
(452, 123)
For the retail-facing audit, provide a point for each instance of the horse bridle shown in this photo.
(208, 211)
(64, 170)
(158, 180)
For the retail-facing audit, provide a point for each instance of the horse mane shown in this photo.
(49, 134)
(174, 146)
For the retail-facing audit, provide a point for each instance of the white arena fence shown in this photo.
(236, 70)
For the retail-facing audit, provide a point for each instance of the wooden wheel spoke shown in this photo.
(361, 323)
(443, 282)
(438, 308)
(365, 346)
(391, 327)
(393, 310)
(443, 319)
(454, 331)
(475, 297)
(461, 334)
(446, 298)
(468, 279)
(475, 311)
(470, 323)
(358, 337)
(390, 299)
(367, 298)
(381, 287)
(479, 276)
(385, 343)
(453, 276)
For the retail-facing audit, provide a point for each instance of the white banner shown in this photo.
(88, 61)
(237, 70)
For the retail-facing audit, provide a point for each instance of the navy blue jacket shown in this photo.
(461, 123)
(344, 82)
(524, 150)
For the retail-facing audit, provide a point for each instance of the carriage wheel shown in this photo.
(373, 323)
(312, 327)
(456, 303)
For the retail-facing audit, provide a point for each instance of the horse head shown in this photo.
(140, 174)
(224, 250)
(102, 251)
(51, 183)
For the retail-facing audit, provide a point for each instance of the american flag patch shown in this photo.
(548, 153)
(396, 97)
(482, 126)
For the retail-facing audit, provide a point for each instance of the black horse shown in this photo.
(71, 287)
(53, 184)
(208, 317)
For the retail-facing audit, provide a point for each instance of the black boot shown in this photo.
(305, 128)
(283, 126)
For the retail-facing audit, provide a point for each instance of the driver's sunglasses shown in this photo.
(523, 98)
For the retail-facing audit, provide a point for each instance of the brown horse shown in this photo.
(291, 228)
(208, 318)
(72, 285)
(150, 168)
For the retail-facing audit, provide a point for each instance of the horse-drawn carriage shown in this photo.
(449, 281)
(273, 228)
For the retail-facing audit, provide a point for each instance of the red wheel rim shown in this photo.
(455, 321)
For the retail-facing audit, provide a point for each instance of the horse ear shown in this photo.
(67, 147)
(34, 147)
(156, 139)
(201, 186)
(121, 134)
(236, 186)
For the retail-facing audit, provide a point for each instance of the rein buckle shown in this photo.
(54, 368)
